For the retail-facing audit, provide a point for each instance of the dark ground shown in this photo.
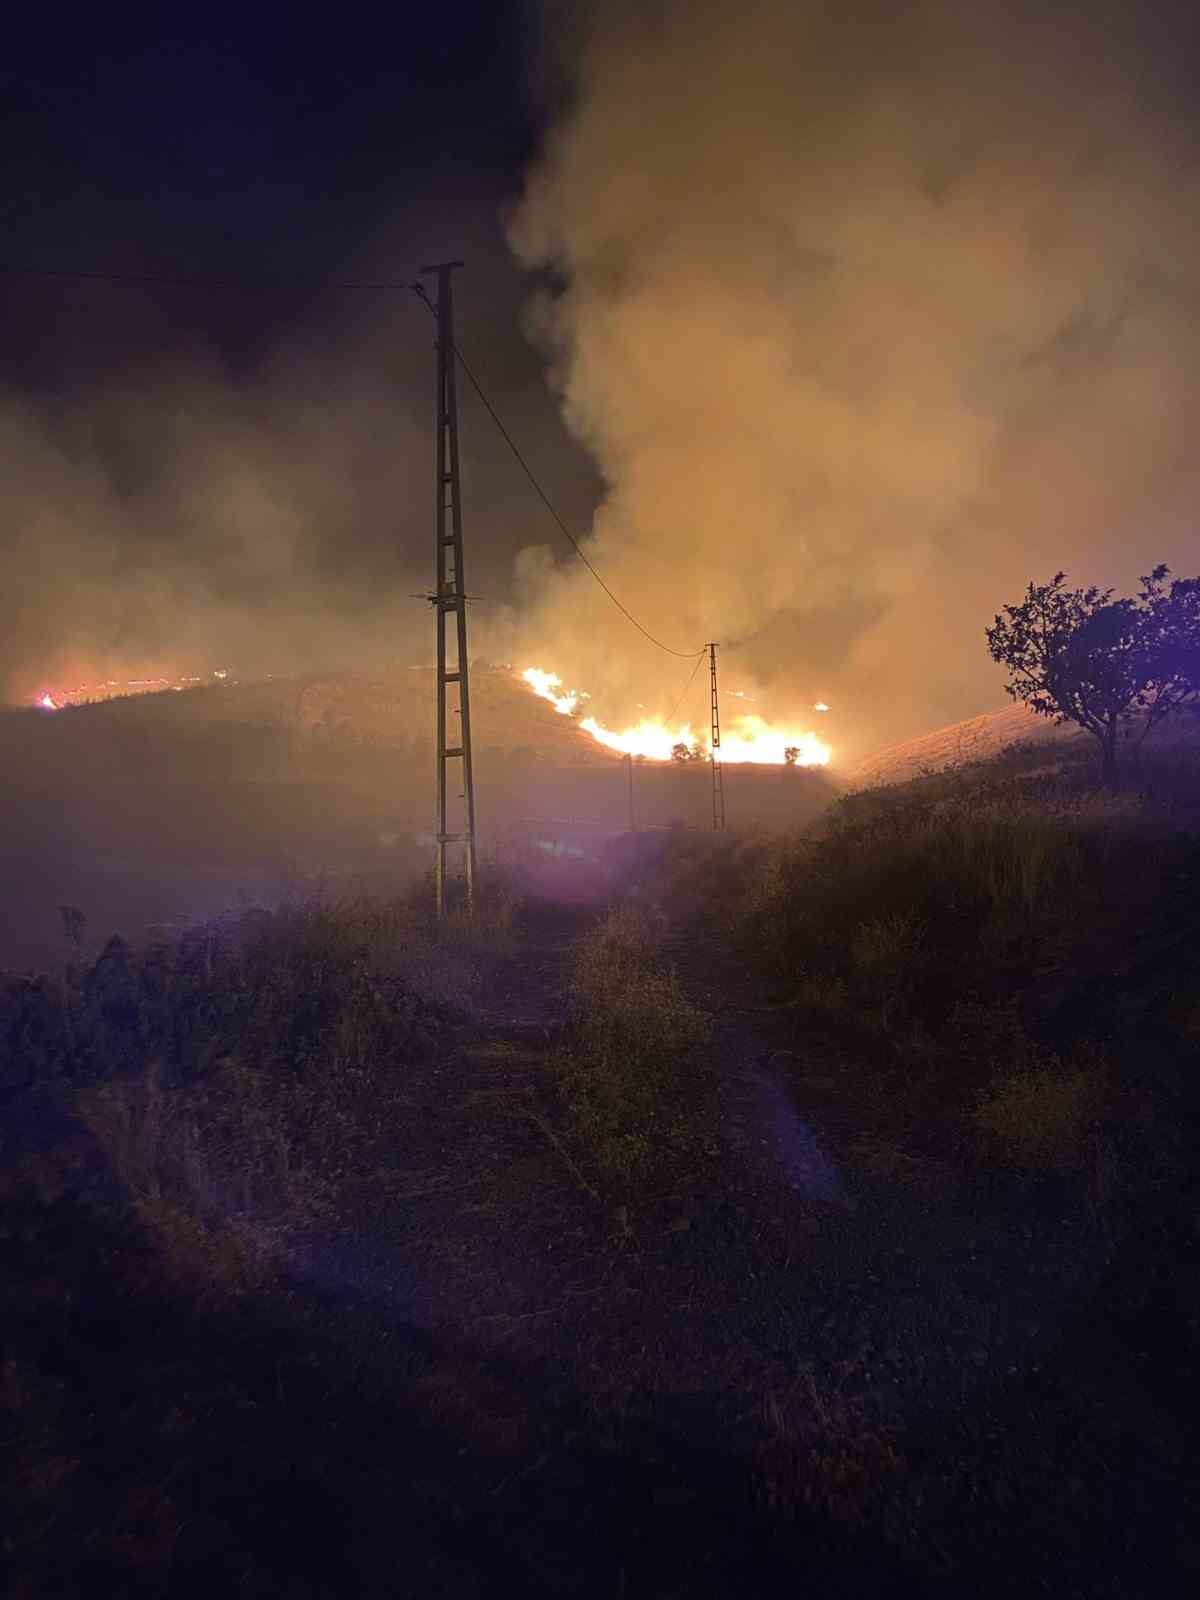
(829, 1370)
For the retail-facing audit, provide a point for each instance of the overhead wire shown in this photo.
(205, 281)
(246, 282)
(684, 655)
(670, 719)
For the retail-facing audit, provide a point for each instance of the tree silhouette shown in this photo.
(1078, 655)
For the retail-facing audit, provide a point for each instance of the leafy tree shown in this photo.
(1171, 646)
(1080, 656)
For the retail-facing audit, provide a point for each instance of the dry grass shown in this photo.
(263, 1067)
(625, 1064)
(821, 1453)
(215, 1190)
(1045, 1120)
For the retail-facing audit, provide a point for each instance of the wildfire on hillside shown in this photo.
(746, 739)
(54, 699)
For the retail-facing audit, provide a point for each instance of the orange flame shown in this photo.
(549, 686)
(747, 739)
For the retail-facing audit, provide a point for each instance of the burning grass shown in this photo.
(745, 738)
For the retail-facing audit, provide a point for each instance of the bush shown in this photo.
(241, 1078)
(632, 1103)
(963, 942)
(1045, 1119)
(690, 876)
(820, 1452)
(305, 982)
(913, 902)
(211, 1199)
(885, 955)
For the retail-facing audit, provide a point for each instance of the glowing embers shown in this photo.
(746, 739)
(60, 695)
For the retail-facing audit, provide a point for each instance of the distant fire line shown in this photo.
(749, 739)
(54, 699)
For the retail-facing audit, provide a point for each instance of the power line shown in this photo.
(684, 655)
(204, 282)
(244, 282)
(686, 687)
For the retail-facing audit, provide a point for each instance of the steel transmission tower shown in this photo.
(450, 600)
(718, 777)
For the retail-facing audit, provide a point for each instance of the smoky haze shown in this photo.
(186, 525)
(207, 477)
(868, 315)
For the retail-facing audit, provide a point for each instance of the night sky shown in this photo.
(247, 141)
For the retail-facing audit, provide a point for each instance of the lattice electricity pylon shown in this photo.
(450, 598)
(718, 777)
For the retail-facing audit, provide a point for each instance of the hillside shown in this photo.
(156, 809)
(371, 710)
(976, 739)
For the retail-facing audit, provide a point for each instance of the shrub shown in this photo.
(210, 1199)
(913, 902)
(241, 1078)
(820, 1452)
(885, 954)
(1044, 1119)
(623, 1072)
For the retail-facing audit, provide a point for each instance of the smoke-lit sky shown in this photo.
(860, 316)
(214, 475)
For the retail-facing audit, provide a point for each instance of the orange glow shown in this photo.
(65, 692)
(747, 739)
(548, 686)
(650, 737)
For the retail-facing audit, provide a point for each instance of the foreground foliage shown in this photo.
(244, 1077)
(1009, 958)
(636, 1110)
(995, 970)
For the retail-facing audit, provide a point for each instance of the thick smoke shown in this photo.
(869, 314)
(185, 489)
